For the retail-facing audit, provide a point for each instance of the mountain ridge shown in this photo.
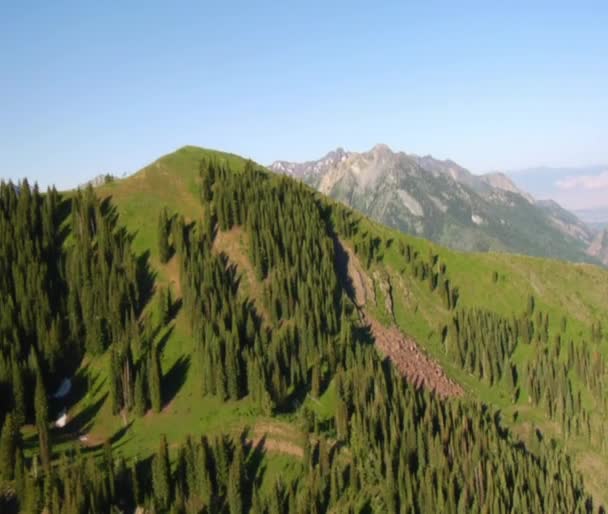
(443, 201)
(272, 321)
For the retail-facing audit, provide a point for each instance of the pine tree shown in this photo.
(155, 381)
(315, 388)
(141, 404)
(235, 482)
(115, 383)
(161, 475)
(164, 306)
(9, 441)
(42, 415)
(164, 250)
(18, 393)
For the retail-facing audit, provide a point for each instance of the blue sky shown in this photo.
(91, 87)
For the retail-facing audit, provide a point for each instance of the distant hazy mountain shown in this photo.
(596, 217)
(443, 201)
(576, 188)
(599, 246)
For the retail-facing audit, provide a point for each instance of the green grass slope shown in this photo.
(500, 283)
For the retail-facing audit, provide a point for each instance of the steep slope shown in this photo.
(599, 247)
(498, 282)
(444, 202)
(273, 347)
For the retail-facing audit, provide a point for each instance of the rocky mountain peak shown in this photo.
(311, 168)
(381, 149)
(444, 201)
(499, 180)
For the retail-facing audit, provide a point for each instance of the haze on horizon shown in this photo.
(106, 88)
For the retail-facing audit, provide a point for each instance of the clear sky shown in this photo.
(92, 87)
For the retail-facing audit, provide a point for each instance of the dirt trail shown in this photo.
(276, 437)
(409, 359)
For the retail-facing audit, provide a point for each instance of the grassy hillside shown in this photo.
(577, 292)
(401, 286)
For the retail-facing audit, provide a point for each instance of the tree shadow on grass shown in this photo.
(75, 427)
(175, 378)
(145, 278)
(83, 382)
(363, 335)
(83, 421)
(119, 434)
(176, 306)
(162, 342)
(254, 461)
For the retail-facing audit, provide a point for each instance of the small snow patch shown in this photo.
(64, 389)
(62, 419)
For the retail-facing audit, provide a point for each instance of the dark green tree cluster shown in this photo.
(32, 296)
(135, 374)
(164, 232)
(432, 271)
(223, 325)
(428, 455)
(68, 285)
(292, 252)
(482, 342)
(102, 273)
(550, 386)
(389, 448)
(559, 375)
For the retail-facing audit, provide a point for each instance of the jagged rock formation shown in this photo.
(444, 202)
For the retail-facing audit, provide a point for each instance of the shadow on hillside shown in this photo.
(84, 382)
(119, 434)
(176, 306)
(341, 265)
(255, 451)
(162, 342)
(363, 334)
(83, 421)
(64, 210)
(145, 279)
(175, 378)
(255, 455)
(75, 427)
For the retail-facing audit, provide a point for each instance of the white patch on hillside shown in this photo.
(62, 420)
(438, 203)
(410, 203)
(64, 389)
(478, 220)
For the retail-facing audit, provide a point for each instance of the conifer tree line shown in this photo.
(104, 299)
(482, 342)
(292, 254)
(69, 284)
(554, 378)
(407, 451)
(389, 448)
(227, 202)
(32, 290)
(135, 373)
(431, 271)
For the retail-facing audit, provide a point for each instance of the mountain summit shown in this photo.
(443, 201)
